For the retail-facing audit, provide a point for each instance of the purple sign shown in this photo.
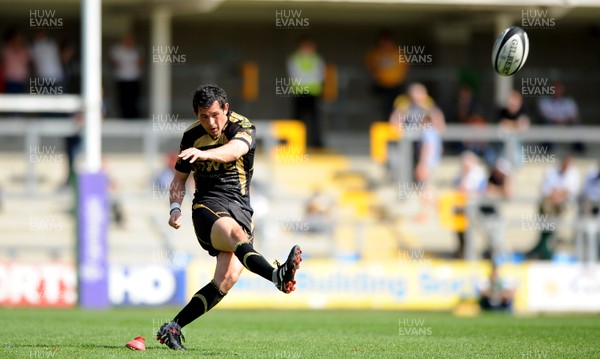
(92, 214)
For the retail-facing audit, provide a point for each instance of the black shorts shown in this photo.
(205, 214)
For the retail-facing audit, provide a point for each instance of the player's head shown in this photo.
(211, 107)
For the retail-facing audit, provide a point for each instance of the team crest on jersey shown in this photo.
(245, 123)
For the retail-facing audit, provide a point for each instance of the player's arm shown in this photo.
(176, 194)
(229, 152)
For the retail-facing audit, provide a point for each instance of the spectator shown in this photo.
(513, 120)
(318, 211)
(429, 156)
(560, 110)
(73, 147)
(590, 204)
(15, 60)
(590, 196)
(46, 59)
(307, 71)
(67, 54)
(469, 111)
(498, 185)
(127, 60)
(513, 117)
(496, 293)
(163, 179)
(498, 188)
(560, 185)
(410, 110)
(388, 72)
(470, 182)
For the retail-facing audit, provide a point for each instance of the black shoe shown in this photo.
(170, 335)
(287, 271)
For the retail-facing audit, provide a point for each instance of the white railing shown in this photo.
(587, 230)
(151, 134)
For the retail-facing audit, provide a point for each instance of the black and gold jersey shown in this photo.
(221, 181)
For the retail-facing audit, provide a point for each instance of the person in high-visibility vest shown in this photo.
(306, 69)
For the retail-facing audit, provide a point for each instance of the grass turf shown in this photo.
(74, 333)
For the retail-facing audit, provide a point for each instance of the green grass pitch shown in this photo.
(74, 333)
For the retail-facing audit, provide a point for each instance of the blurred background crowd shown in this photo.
(408, 139)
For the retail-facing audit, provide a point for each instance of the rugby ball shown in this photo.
(510, 51)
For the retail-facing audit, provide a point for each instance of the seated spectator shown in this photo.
(471, 182)
(560, 110)
(560, 185)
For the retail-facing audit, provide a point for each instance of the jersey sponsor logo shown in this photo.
(212, 166)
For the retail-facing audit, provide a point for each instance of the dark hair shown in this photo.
(206, 95)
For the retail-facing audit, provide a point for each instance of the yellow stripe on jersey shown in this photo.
(192, 126)
(207, 140)
(239, 164)
(244, 136)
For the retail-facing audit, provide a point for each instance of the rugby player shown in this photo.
(219, 150)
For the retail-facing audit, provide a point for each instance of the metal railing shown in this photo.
(33, 129)
(587, 230)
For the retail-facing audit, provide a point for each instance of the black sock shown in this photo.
(201, 302)
(253, 261)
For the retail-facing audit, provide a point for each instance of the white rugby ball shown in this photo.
(510, 51)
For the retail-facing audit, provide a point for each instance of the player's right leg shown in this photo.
(227, 272)
(228, 235)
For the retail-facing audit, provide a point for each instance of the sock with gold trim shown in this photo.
(201, 302)
(253, 261)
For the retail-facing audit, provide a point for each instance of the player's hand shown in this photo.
(175, 219)
(193, 154)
